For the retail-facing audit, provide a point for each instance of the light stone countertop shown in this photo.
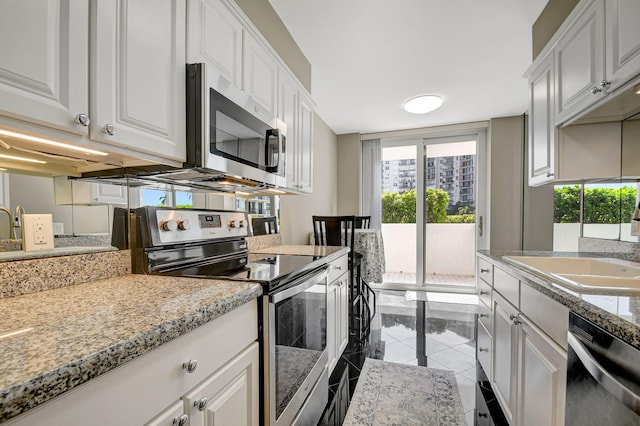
(54, 340)
(7, 256)
(619, 314)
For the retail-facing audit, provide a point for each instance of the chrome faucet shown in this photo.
(18, 222)
(8, 212)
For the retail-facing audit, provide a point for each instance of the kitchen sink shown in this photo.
(584, 274)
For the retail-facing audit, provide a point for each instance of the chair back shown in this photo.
(264, 225)
(334, 231)
(363, 222)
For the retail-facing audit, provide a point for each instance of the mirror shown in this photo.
(84, 212)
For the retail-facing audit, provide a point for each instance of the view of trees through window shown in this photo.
(603, 205)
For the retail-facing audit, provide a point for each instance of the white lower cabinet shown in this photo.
(527, 352)
(230, 396)
(159, 388)
(542, 375)
(337, 311)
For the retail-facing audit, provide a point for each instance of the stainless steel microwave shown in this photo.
(224, 136)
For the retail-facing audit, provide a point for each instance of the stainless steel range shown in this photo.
(293, 328)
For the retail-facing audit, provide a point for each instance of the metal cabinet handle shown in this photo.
(484, 315)
(339, 268)
(82, 119)
(182, 420)
(605, 83)
(595, 90)
(514, 318)
(201, 404)
(549, 174)
(482, 270)
(483, 293)
(190, 366)
(109, 129)
(483, 349)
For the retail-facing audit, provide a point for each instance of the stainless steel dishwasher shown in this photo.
(603, 377)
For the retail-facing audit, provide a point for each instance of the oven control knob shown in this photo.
(241, 225)
(232, 224)
(184, 225)
(169, 225)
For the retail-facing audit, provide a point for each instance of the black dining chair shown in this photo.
(363, 222)
(264, 225)
(340, 231)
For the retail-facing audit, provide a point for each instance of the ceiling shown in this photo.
(369, 56)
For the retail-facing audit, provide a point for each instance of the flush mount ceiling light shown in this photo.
(423, 104)
(636, 89)
(50, 142)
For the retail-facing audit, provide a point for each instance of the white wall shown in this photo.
(349, 174)
(296, 210)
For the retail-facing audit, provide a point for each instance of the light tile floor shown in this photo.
(436, 279)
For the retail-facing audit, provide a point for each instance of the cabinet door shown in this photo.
(542, 373)
(288, 112)
(623, 41)
(230, 395)
(44, 62)
(343, 313)
(505, 350)
(542, 131)
(305, 145)
(260, 75)
(214, 36)
(138, 68)
(332, 325)
(580, 63)
(108, 194)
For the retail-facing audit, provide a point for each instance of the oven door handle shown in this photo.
(300, 285)
(602, 376)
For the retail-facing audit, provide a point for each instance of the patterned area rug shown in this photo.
(396, 394)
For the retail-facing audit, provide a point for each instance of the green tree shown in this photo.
(437, 202)
(401, 208)
(566, 204)
(601, 205)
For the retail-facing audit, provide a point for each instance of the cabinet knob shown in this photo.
(483, 415)
(190, 366)
(483, 293)
(484, 315)
(514, 318)
(82, 119)
(201, 404)
(109, 129)
(339, 268)
(181, 420)
(549, 174)
(482, 270)
(595, 90)
(483, 349)
(605, 83)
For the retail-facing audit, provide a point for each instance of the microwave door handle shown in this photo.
(267, 165)
(602, 376)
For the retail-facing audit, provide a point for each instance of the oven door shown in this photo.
(603, 378)
(295, 355)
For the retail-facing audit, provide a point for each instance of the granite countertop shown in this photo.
(616, 313)
(6, 256)
(52, 341)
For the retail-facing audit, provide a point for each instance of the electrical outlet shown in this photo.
(38, 232)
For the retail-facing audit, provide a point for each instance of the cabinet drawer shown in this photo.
(484, 316)
(338, 267)
(547, 314)
(485, 271)
(484, 350)
(507, 285)
(484, 292)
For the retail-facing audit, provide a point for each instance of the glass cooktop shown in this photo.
(267, 269)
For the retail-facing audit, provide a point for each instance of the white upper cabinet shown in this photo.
(260, 75)
(305, 145)
(579, 63)
(138, 75)
(542, 131)
(214, 36)
(622, 41)
(44, 62)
